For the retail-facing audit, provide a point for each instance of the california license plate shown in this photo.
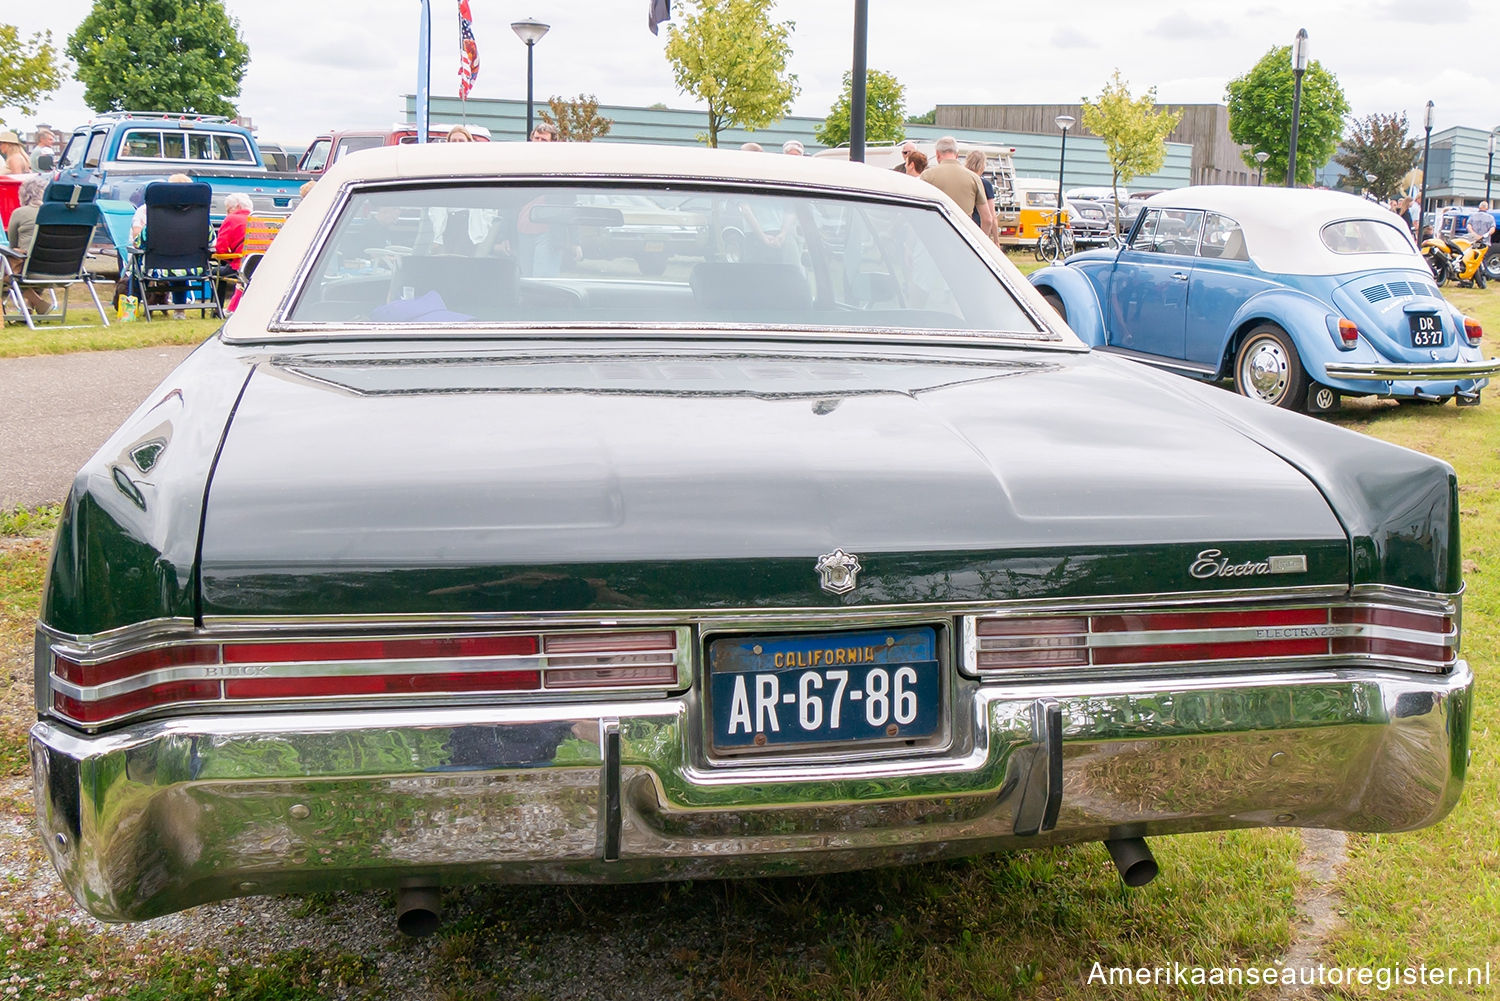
(1426, 330)
(850, 687)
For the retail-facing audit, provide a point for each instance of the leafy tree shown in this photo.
(885, 103)
(1134, 132)
(578, 120)
(167, 55)
(925, 118)
(1377, 144)
(732, 56)
(1260, 114)
(29, 69)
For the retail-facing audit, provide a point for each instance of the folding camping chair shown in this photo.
(64, 229)
(236, 269)
(175, 255)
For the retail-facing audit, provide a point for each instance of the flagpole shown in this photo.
(424, 70)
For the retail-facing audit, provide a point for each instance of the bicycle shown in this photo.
(1055, 242)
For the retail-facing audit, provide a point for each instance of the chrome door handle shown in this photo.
(1181, 276)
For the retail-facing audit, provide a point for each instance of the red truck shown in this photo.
(326, 149)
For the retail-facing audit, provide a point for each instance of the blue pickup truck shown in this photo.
(123, 151)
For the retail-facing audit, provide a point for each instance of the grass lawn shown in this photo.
(1026, 925)
(85, 332)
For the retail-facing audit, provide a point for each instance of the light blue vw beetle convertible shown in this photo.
(1298, 296)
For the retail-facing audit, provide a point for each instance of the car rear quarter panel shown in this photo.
(126, 544)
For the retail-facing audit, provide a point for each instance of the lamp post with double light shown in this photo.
(1064, 122)
(1299, 66)
(1426, 146)
(529, 31)
(1260, 166)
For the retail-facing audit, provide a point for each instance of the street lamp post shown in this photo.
(1064, 122)
(857, 81)
(1299, 66)
(1489, 170)
(529, 31)
(1260, 166)
(1426, 146)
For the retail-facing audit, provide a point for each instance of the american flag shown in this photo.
(468, 49)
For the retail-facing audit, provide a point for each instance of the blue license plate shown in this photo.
(853, 687)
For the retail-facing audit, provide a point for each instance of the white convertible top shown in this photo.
(1281, 226)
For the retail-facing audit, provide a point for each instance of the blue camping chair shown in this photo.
(64, 229)
(176, 253)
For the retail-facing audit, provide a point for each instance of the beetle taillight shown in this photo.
(1473, 332)
(91, 690)
(1348, 333)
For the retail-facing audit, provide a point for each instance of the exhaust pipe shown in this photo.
(419, 910)
(1133, 859)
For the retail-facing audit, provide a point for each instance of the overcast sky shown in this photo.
(321, 64)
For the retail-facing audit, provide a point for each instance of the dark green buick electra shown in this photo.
(569, 513)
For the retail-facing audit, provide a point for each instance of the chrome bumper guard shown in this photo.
(1434, 370)
(162, 816)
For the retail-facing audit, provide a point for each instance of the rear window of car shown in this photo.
(578, 255)
(1364, 236)
(159, 144)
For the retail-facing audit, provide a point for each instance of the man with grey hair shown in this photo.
(43, 156)
(959, 182)
(545, 132)
(793, 148)
(1481, 228)
(752, 147)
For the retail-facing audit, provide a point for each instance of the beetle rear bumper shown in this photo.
(162, 816)
(1441, 371)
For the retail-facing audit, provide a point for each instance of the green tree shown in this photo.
(160, 55)
(925, 118)
(730, 55)
(1260, 114)
(578, 120)
(885, 104)
(1134, 132)
(29, 69)
(1376, 144)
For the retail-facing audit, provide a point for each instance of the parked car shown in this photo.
(1090, 222)
(516, 564)
(123, 151)
(1298, 296)
(326, 150)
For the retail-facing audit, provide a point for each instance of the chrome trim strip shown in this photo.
(1393, 372)
(1237, 634)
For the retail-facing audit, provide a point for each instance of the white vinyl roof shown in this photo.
(1281, 226)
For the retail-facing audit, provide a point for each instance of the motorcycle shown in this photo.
(1456, 259)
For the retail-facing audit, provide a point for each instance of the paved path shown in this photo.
(56, 410)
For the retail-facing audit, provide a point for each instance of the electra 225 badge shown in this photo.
(1213, 563)
(837, 570)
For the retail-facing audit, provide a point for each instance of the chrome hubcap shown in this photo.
(1264, 371)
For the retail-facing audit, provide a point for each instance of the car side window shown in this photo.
(95, 150)
(1146, 232)
(317, 155)
(140, 143)
(1223, 239)
(1175, 232)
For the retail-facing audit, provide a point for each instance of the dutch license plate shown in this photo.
(852, 687)
(1426, 331)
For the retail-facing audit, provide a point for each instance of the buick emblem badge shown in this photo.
(836, 571)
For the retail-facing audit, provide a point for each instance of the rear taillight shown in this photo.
(1348, 334)
(1409, 638)
(94, 690)
(1473, 332)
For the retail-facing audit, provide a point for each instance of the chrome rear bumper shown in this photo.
(162, 816)
(1444, 371)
